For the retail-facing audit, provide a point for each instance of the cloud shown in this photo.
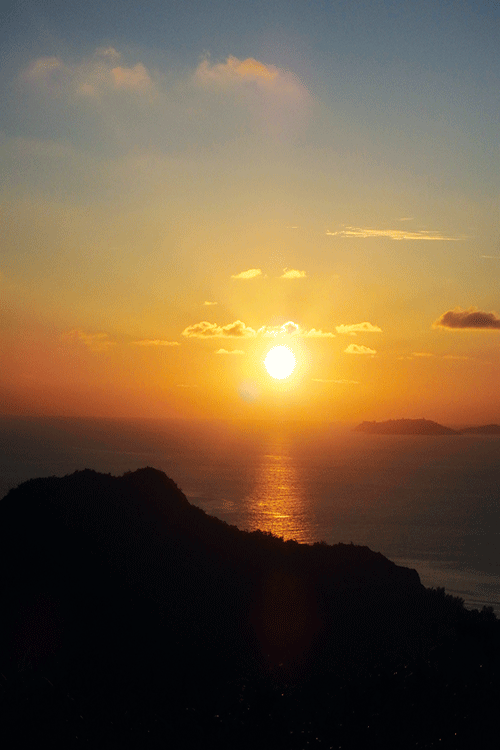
(90, 77)
(491, 257)
(155, 342)
(252, 273)
(421, 354)
(238, 329)
(277, 100)
(211, 330)
(317, 333)
(337, 382)
(109, 53)
(359, 349)
(468, 319)
(45, 69)
(210, 303)
(393, 234)
(95, 342)
(235, 71)
(293, 329)
(406, 218)
(358, 328)
(292, 273)
(250, 73)
(132, 79)
(227, 351)
(287, 329)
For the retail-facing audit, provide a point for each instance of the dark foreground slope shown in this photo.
(132, 619)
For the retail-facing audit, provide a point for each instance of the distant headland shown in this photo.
(405, 427)
(421, 427)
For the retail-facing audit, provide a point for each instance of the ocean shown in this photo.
(430, 503)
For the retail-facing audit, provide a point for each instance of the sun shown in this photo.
(280, 362)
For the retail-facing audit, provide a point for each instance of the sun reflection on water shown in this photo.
(277, 501)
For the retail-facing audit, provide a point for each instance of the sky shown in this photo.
(184, 185)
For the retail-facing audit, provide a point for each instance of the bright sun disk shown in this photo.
(280, 362)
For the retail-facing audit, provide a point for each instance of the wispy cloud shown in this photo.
(252, 273)
(406, 218)
(211, 330)
(393, 234)
(209, 303)
(230, 351)
(358, 328)
(317, 333)
(491, 257)
(292, 273)
(468, 319)
(95, 342)
(337, 382)
(359, 349)
(155, 342)
(416, 355)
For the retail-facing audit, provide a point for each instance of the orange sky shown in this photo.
(169, 214)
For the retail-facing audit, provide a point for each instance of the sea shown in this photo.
(427, 502)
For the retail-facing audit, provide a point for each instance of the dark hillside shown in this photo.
(133, 619)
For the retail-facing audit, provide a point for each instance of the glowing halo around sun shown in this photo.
(280, 362)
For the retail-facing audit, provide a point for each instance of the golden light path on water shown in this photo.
(277, 502)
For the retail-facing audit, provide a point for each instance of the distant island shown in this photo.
(422, 427)
(132, 619)
(405, 427)
(487, 429)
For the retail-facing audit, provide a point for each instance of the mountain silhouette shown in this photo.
(131, 618)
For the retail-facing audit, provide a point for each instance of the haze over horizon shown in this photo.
(185, 186)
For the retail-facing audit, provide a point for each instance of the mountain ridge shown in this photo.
(132, 617)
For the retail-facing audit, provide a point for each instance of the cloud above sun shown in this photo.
(359, 349)
(252, 273)
(293, 273)
(230, 351)
(393, 234)
(293, 329)
(211, 330)
(358, 328)
(468, 319)
(238, 329)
